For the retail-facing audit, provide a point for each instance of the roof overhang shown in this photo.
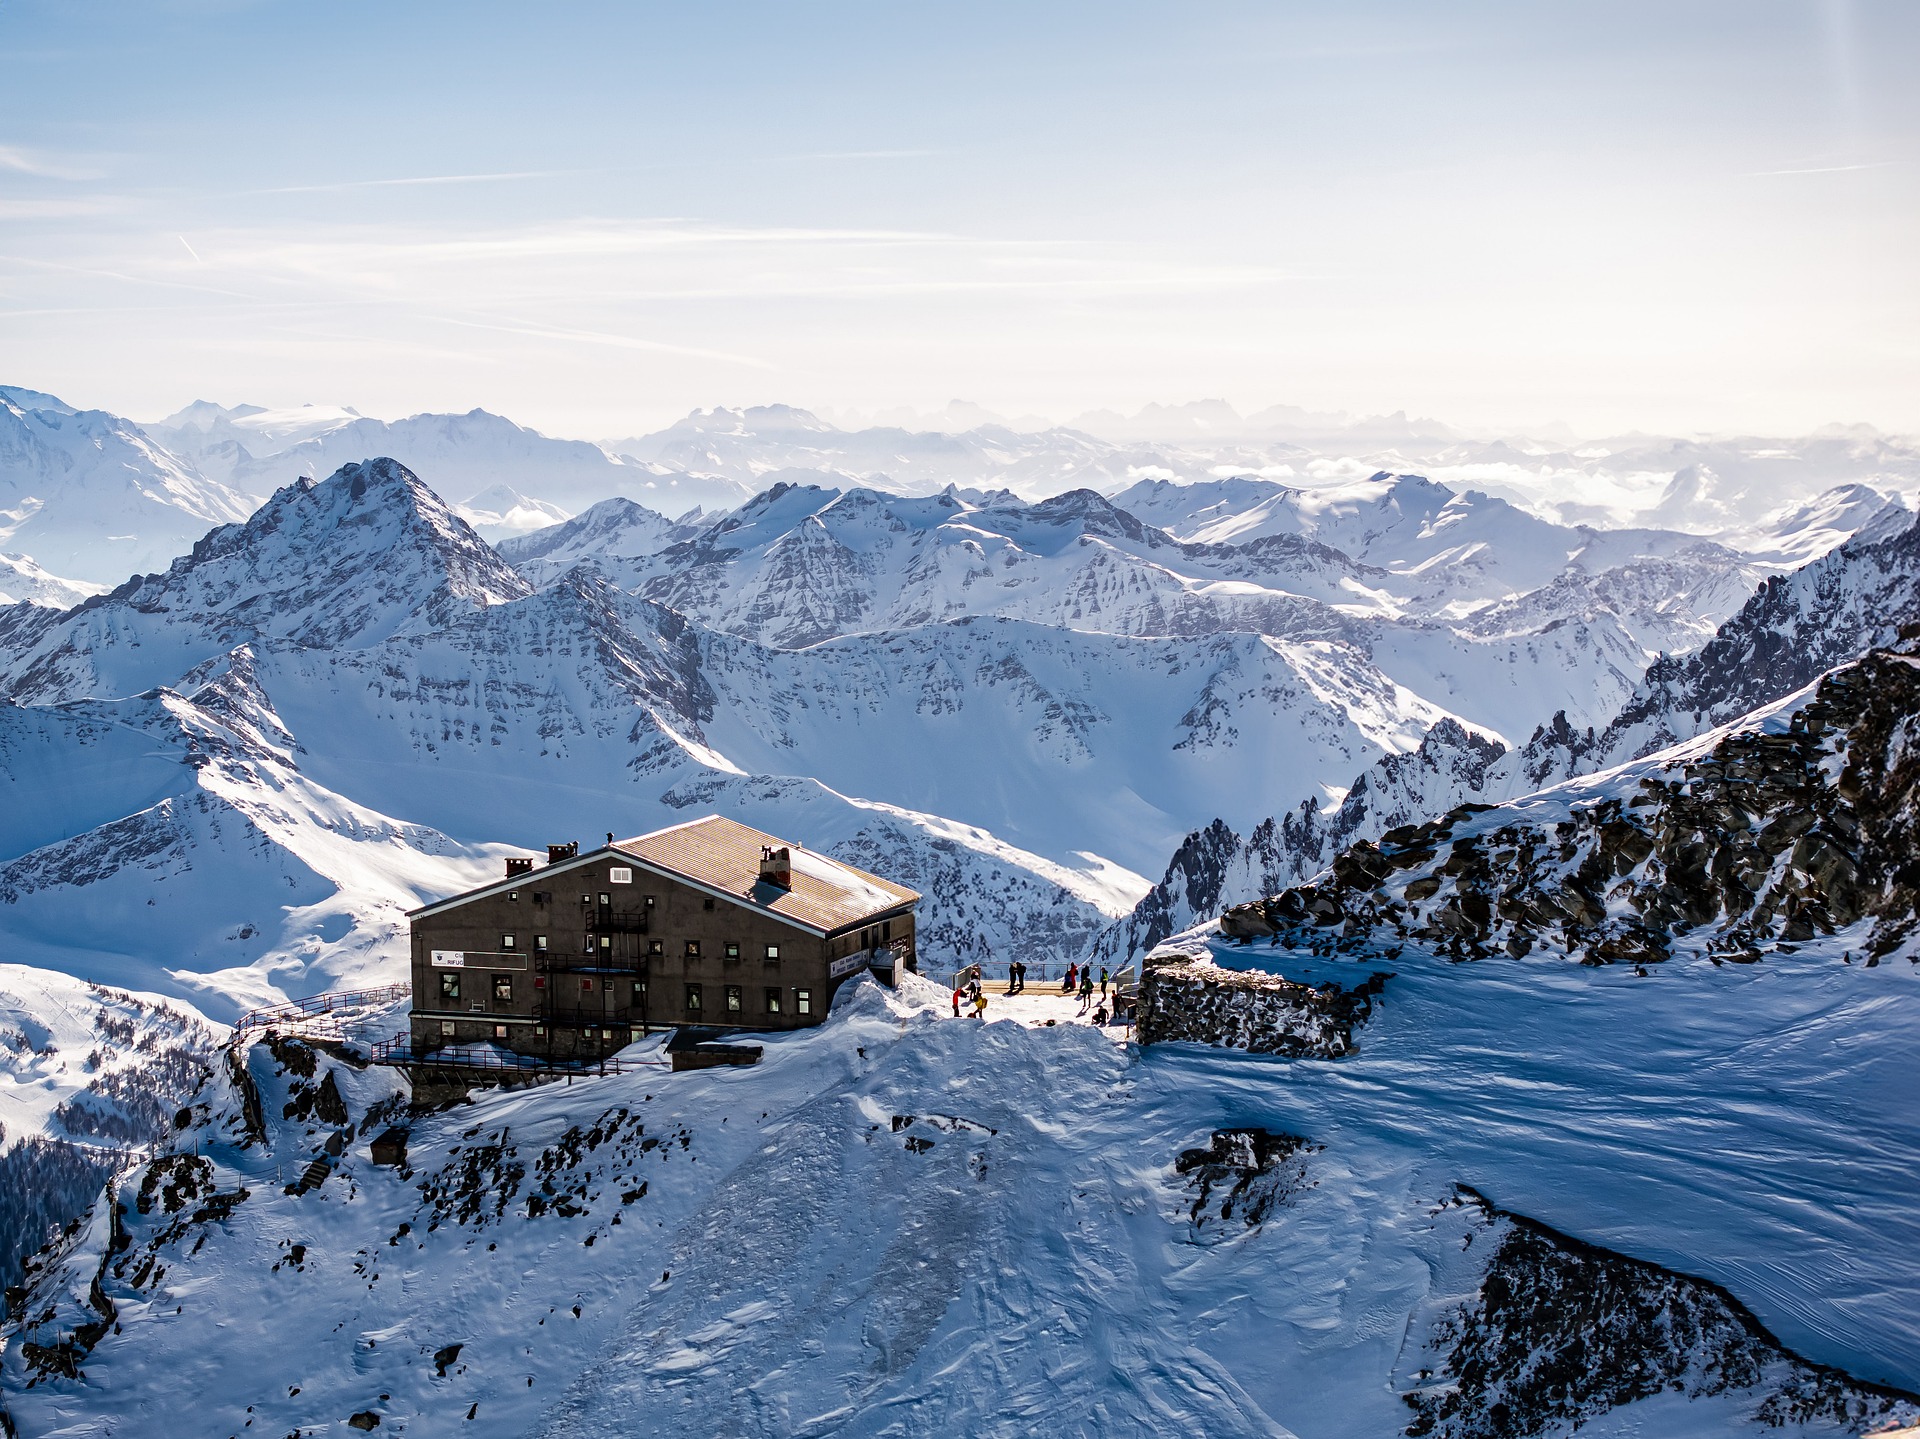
(612, 851)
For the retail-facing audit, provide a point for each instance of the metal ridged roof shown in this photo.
(725, 855)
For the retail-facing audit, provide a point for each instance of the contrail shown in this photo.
(190, 250)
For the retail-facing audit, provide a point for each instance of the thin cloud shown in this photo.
(596, 337)
(1828, 169)
(484, 179)
(28, 162)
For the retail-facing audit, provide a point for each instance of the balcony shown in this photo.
(616, 921)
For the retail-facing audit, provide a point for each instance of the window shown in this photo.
(736, 1000)
(449, 986)
(803, 1001)
(503, 987)
(543, 896)
(540, 941)
(773, 1001)
(731, 950)
(693, 999)
(506, 941)
(499, 1031)
(656, 947)
(640, 993)
(709, 902)
(606, 901)
(586, 899)
(539, 1031)
(693, 949)
(773, 951)
(619, 874)
(589, 944)
(606, 944)
(446, 1029)
(886, 931)
(513, 894)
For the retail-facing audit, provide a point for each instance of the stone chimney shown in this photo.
(776, 866)
(556, 853)
(519, 864)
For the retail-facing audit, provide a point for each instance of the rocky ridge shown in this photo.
(1800, 822)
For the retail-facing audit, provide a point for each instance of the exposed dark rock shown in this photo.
(1561, 1331)
(1252, 1171)
(1780, 832)
(1188, 997)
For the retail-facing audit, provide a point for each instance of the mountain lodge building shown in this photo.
(708, 923)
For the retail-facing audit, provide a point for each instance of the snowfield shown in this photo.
(903, 1223)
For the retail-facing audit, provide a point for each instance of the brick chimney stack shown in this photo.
(776, 866)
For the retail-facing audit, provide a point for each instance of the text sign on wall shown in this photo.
(847, 964)
(449, 959)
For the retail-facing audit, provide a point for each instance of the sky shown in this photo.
(1684, 216)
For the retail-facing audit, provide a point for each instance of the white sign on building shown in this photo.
(449, 959)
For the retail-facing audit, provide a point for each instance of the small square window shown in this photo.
(773, 951)
(709, 902)
(446, 1029)
(803, 1001)
(606, 944)
(506, 941)
(732, 950)
(540, 941)
(693, 999)
(449, 986)
(693, 949)
(656, 947)
(586, 899)
(736, 999)
(606, 901)
(539, 1031)
(513, 894)
(503, 987)
(499, 1031)
(543, 896)
(773, 1001)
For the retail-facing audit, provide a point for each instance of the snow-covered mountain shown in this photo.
(225, 782)
(22, 582)
(88, 495)
(1007, 1229)
(365, 554)
(470, 456)
(758, 445)
(614, 536)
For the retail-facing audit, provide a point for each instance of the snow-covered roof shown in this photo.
(724, 855)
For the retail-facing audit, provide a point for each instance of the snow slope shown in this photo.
(907, 1224)
(89, 495)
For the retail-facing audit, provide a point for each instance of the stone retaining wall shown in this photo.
(1187, 997)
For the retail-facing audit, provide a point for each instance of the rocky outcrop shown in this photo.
(1243, 1174)
(1215, 866)
(1186, 997)
(1800, 824)
(1558, 1332)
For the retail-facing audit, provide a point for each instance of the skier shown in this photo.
(956, 1004)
